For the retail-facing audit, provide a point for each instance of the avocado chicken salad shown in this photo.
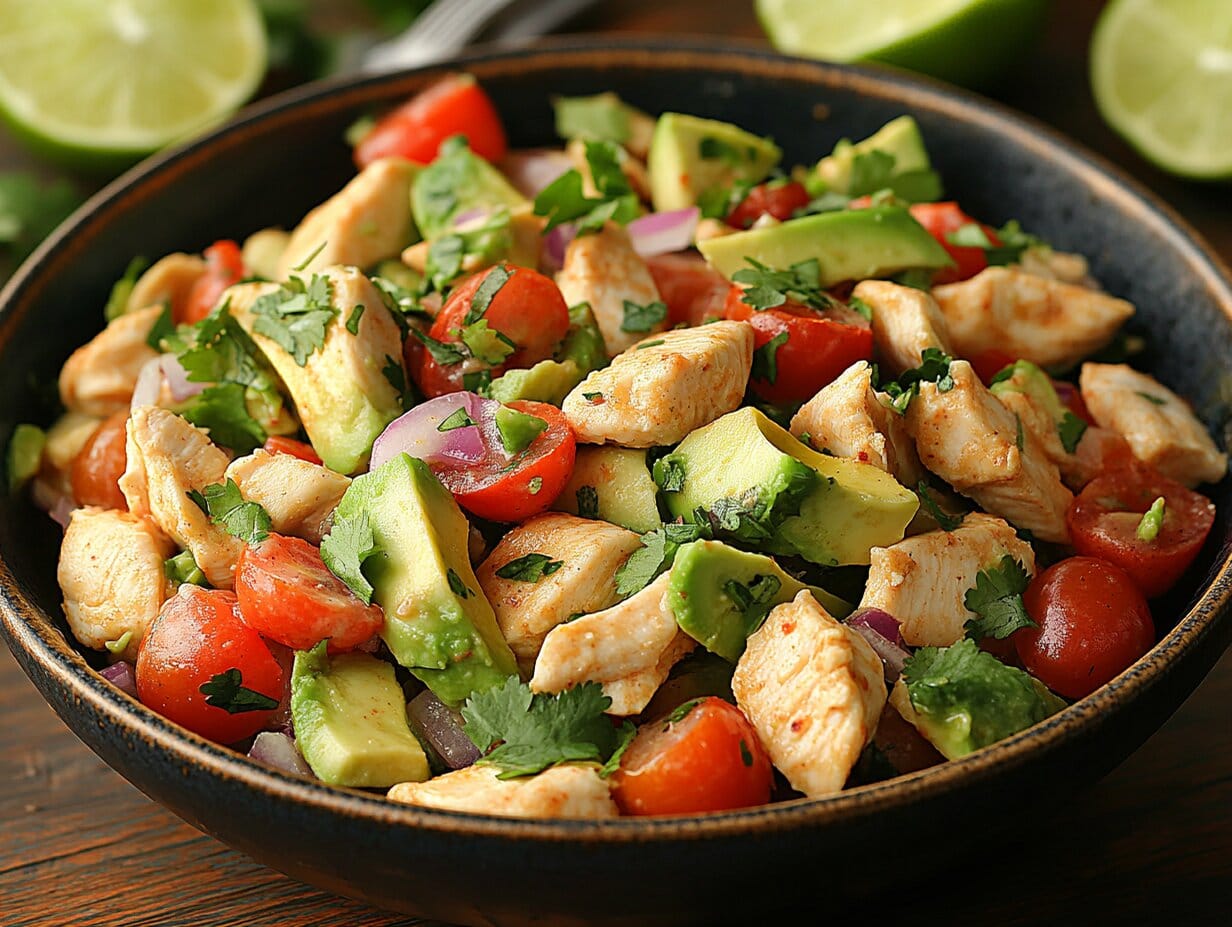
(635, 477)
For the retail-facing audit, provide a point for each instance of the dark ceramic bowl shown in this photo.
(281, 158)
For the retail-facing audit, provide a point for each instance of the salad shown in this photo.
(639, 476)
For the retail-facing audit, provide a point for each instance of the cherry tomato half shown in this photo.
(818, 347)
(197, 636)
(988, 363)
(528, 309)
(776, 199)
(693, 290)
(1104, 518)
(707, 759)
(1093, 623)
(454, 105)
(280, 444)
(100, 463)
(224, 266)
(288, 594)
(504, 490)
(941, 220)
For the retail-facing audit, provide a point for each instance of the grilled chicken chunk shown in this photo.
(560, 792)
(922, 581)
(111, 574)
(604, 271)
(906, 322)
(848, 420)
(1159, 425)
(1045, 321)
(1057, 265)
(590, 553)
(657, 393)
(167, 457)
(299, 496)
(814, 691)
(99, 377)
(975, 444)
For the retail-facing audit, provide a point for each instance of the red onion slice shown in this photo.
(664, 232)
(278, 751)
(149, 384)
(62, 512)
(533, 169)
(555, 244)
(883, 634)
(417, 432)
(177, 379)
(441, 726)
(121, 676)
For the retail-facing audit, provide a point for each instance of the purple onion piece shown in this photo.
(121, 676)
(555, 244)
(278, 751)
(177, 379)
(62, 512)
(418, 432)
(441, 726)
(470, 217)
(884, 635)
(664, 232)
(149, 384)
(533, 169)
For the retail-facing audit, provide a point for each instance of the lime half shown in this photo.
(968, 42)
(1161, 71)
(101, 82)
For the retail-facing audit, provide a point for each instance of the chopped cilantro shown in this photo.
(1153, 399)
(1070, 431)
(594, 398)
(456, 419)
(352, 322)
(681, 711)
(754, 599)
(444, 261)
(767, 287)
(302, 265)
(996, 598)
(486, 343)
(946, 521)
(1019, 437)
(587, 502)
(349, 543)
(710, 148)
(227, 509)
(746, 757)
(1013, 242)
(445, 353)
(651, 344)
(718, 202)
(855, 304)
(934, 368)
(396, 377)
(873, 172)
(1152, 521)
(642, 318)
(122, 289)
(162, 328)
(477, 381)
(222, 410)
(227, 691)
(669, 473)
(654, 556)
(530, 568)
(624, 737)
(492, 283)
(765, 358)
(295, 315)
(602, 117)
(564, 199)
(456, 586)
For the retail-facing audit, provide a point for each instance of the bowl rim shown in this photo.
(39, 639)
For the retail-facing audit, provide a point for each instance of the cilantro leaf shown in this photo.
(710, 148)
(642, 318)
(718, 202)
(457, 586)
(477, 381)
(654, 556)
(564, 199)
(295, 315)
(765, 358)
(530, 568)
(1070, 431)
(669, 473)
(1153, 399)
(855, 304)
(227, 509)
(162, 328)
(349, 543)
(996, 598)
(396, 377)
(122, 289)
(352, 322)
(934, 368)
(873, 172)
(444, 261)
(494, 280)
(945, 520)
(1019, 437)
(458, 418)
(1013, 242)
(624, 737)
(602, 116)
(227, 691)
(754, 599)
(1152, 521)
(222, 410)
(767, 287)
(587, 502)
(445, 353)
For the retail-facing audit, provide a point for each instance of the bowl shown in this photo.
(283, 156)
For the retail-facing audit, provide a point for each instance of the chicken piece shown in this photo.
(1057, 265)
(559, 792)
(99, 377)
(111, 574)
(658, 392)
(521, 246)
(923, 580)
(906, 321)
(848, 420)
(1159, 425)
(603, 269)
(299, 495)
(975, 444)
(814, 690)
(170, 280)
(628, 639)
(590, 553)
(167, 457)
(631, 694)
(367, 221)
(1077, 468)
(1047, 322)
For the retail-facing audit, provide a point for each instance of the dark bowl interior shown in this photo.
(281, 158)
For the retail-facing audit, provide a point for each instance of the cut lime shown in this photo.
(106, 81)
(968, 42)
(1161, 71)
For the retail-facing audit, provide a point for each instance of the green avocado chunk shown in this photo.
(613, 484)
(350, 720)
(24, 454)
(759, 486)
(961, 698)
(905, 164)
(721, 595)
(580, 352)
(689, 155)
(456, 183)
(437, 622)
(853, 244)
(1025, 377)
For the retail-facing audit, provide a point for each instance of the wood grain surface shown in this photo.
(1152, 843)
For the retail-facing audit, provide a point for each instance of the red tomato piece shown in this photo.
(198, 635)
(1071, 398)
(224, 266)
(280, 444)
(1093, 623)
(694, 291)
(1104, 518)
(705, 756)
(943, 219)
(780, 200)
(819, 345)
(100, 463)
(454, 105)
(528, 309)
(287, 593)
(504, 490)
(987, 364)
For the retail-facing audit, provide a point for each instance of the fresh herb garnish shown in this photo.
(873, 172)
(639, 318)
(765, 358)
(477, 381)
(122, 289)
(295, 315)
(651, 344)
(710, 148)
(564, 199)
(395, 377)
(855, 304)
(669, 473)
(530, 568)
(492, 283)
(746, 757)
(30, 209)
(1070, 431)
(934, 368)
(227, 691)
(1153, 399)
(654, 556)
(349, 543)
(1152, 521)
(946, 521)
(222, 410)
(1019, 437)
(163, 328)
(766, 287)
(593, 398)
(456, 586)
(227, 509)
(996, 598)
(754, 599)
(535, 484)
(352, 322)
(458, 418)
(120, 644)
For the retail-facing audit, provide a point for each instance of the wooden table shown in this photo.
(80, 846)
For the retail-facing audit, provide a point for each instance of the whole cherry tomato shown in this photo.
(100, 463)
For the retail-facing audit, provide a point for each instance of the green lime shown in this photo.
(1161, 71)
(968, 42)
(98, 83)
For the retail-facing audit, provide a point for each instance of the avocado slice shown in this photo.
(853, 244)
(613, 484)
(899, 139)
(759, 485)
(551, 380)
(689, 155)
(721, 595)
(458, 182)
(1025, 377)
(350, 720)
(437, 622)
